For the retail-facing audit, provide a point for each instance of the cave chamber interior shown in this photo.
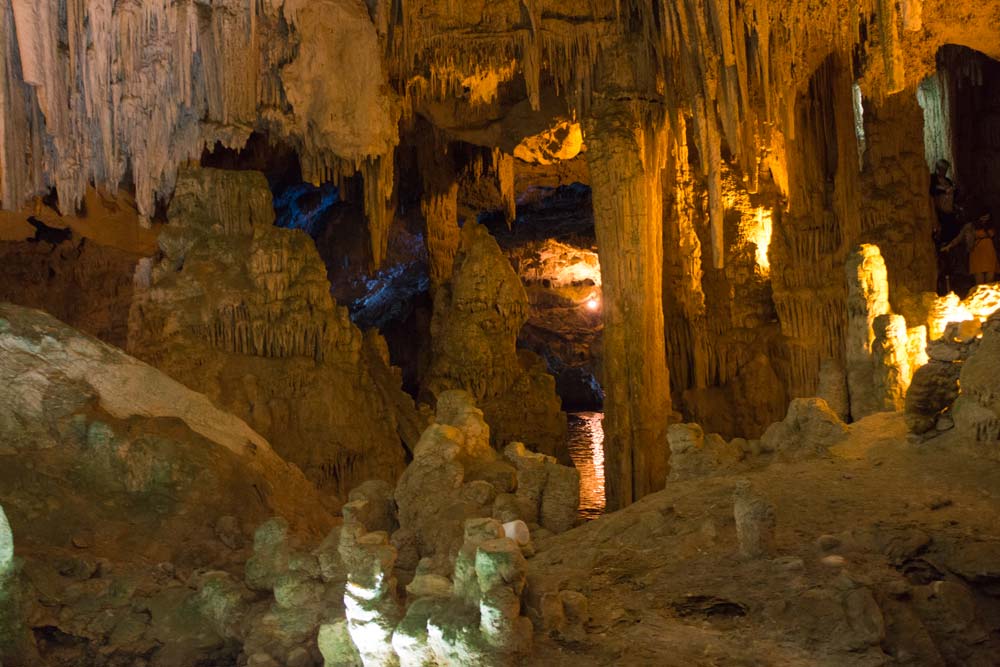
(368, 334)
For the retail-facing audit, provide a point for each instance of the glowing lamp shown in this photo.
(593, 303)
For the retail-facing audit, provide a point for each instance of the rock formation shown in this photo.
(155, 468)
(476, 322)
(755, 522)
(753, 179)
(471, 480)
(241, 310)
(957, 329)
(976, 412)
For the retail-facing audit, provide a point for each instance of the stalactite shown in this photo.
(504, 165)
(379, 175)
(892, 53)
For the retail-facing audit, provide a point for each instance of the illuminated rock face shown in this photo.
(242, 310)
(465, 576)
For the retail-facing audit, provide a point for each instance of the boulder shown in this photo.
(693, 455)
(809, 429)
(934, 389)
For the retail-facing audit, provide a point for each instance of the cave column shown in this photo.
(626, 156)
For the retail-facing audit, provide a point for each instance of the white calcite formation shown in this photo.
(96, 89)
(464, 570)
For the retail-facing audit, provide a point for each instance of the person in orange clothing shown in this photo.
(978, 239)
(983, 263)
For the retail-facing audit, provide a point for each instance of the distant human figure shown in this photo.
(52, 235)
(977, 238)
(947, 225)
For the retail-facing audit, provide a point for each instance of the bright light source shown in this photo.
(762, 238)
(593, 303)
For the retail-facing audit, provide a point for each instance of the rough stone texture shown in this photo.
(86, 285)
(241, 310)
(692, 454)
(153, 468)
(372, 610)
(934, 388)
(379, 511)
(474, 331)
(547, 493)
(142, 434)
(456, 476)
(626, 157)
(891, 359)
(833, 388)
(809, 429)
(977, 409)
(755, 522)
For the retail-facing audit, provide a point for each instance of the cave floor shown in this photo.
(907, 570)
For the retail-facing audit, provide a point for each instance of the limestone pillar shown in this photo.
(867, 299)
(626, 155)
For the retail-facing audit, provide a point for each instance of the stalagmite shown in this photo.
(890, 355)
(370, 603)
(626, 154)
(755, 522)
(868, 298)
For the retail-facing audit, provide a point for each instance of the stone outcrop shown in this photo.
(241, 310)
(131, 432)
(474, 331)
(464, 571)
(977, 409)
(755, 522)
(961, 342)
(471, 480)
(693, 454)
(809, 429)
(120, 483)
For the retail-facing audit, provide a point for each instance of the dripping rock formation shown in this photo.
(241, 310)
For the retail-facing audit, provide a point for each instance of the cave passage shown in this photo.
(961, 104)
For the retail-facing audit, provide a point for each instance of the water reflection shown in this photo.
(586, 447)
